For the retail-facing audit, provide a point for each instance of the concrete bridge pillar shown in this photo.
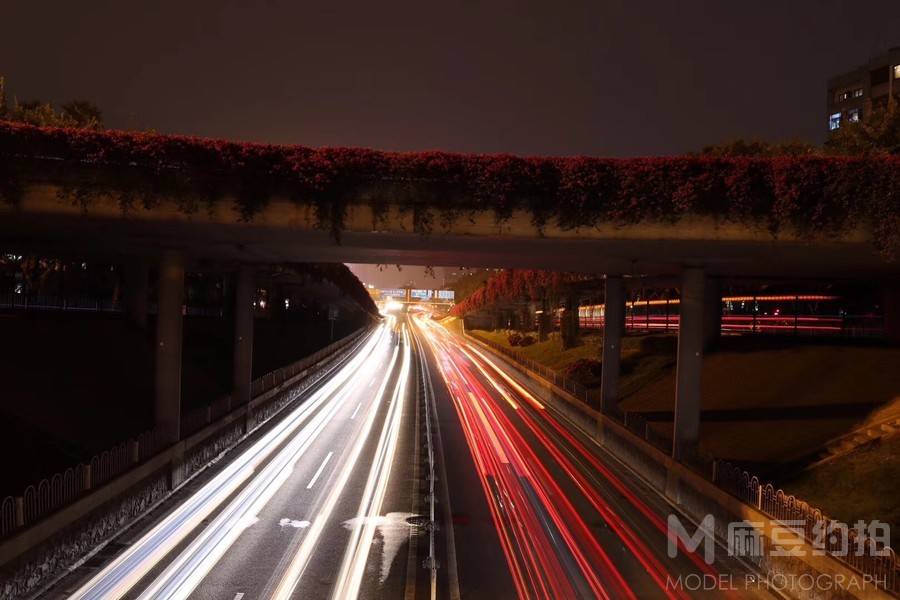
(892, 312)
(496, 319)
(245, 289)
(689, 366)
(136, 296)
(613, 327)
(169, 326)
(544, 322)
(568, 325)
(712, 313)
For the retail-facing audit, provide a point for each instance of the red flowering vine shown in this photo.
(815, 195)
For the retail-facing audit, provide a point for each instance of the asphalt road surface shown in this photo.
(334, 500)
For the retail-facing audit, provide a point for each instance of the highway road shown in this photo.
(333, 501)
(321, 505)
(568, 520)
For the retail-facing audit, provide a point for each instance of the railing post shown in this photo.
(87, 476)
(135, 451)
(759, 495)
(20, 511)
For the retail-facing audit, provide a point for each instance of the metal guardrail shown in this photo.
(29, 302)
(428, 393)
(61, 489)
(836, 538)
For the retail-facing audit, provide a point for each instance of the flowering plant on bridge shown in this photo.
(514, 285)
(818, 196)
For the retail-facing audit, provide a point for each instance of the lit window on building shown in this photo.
(834, 121)
(896, 71)
(841, 96)
(858, 93)
(853, 115)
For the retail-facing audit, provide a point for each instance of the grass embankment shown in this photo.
(644, 358)
(864, 484)
(787, 401)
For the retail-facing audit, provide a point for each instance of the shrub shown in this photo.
(527, 340)
(585, 371)
(514, 339)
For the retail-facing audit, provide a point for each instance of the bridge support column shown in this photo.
(613, 326)
(689, 367)
(568, 325)
(544, 322)
(169, 327)
(245, 289)
(892, 312)
(712, 313)
(136, 296)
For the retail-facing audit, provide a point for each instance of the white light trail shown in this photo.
(350, 575)
(291, 577)
(126, 570)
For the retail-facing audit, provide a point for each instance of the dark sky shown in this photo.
(614, 77)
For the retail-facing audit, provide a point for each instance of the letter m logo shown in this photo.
(704, 534)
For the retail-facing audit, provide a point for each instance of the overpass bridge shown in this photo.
(187, 203)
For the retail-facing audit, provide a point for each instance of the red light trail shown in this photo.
(550, 549)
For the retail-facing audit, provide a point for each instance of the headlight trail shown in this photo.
(354, 563)
(184, 574)
(294, 571)
(132, 565)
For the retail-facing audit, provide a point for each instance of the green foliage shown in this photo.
(877, 133)
(757, 147)
(78, 114)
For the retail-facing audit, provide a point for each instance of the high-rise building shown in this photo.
(871, 86)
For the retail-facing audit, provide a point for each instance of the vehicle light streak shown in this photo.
(353, 565)
(625, 533)
(294, 571)
(182, 576)
(129, 567)
(653, 566)
(550, 549)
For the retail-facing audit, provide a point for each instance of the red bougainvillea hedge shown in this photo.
(514, 284)
(817, 195)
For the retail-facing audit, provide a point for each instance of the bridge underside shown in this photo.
(286, 232)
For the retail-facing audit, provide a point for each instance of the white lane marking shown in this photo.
(353, 416)
(372, 381)
(312, 481)
(238, 596)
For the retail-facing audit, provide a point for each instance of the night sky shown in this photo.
(613, 78)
